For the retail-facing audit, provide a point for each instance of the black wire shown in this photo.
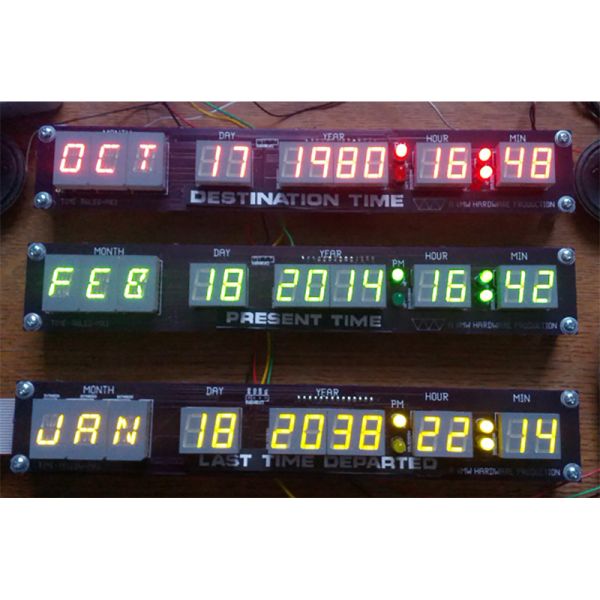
(324, 106)
(173, 115)
(110, 112)
(590, 110)
(266, 228)
(532, 115)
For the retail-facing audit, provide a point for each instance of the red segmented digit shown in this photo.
(516, 162)
(217, 162)
(426, 162)
(63, 168)
(342, 162)
(242, 162)
(380, 162)
(324, 162)
(453, 162)
(536, 162)
(299, 161)
(113, 153)
(145, 154)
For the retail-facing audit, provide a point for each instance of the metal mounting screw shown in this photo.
(566, 256)
(566, 204)
(24, 390)
(43, 200)
(563, 138)
(572, 472)
(19, 463)
(570, 398)
(36, 251)
(46, 133)
(569, 325)
(32, 322)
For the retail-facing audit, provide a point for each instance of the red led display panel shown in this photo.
(527, 164)
(224, 162)
(316, 164)
(110, 161)
(442, 165)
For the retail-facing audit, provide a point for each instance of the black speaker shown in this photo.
(587, 179)
(12, 172)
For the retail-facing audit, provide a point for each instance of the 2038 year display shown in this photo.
(184, 428)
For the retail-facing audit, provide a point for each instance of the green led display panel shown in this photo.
(218, 284)
(101, 284)
(527, 286)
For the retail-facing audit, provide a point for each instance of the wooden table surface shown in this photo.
(445, 360)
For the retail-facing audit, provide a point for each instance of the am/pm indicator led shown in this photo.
(397, 275)
(399, 420)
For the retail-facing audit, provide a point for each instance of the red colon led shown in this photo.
(485, 170)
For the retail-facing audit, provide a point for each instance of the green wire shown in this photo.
(221, 110)
(270, 369)
(585, 492)
(289, 235)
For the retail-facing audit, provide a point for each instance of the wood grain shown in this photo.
(300, 357)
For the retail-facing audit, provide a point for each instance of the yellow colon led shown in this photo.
(487, 444)
(485, 426)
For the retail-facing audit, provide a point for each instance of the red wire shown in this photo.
(584, 476)
(254, 375)
(180, 116)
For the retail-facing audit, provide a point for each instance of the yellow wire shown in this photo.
(263, 379)
(284, 488)
(216, 115)
(279, 239)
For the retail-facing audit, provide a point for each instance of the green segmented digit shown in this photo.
(344, 291)
(452, 286)
(308, 294)
(56, 280)
(288, 285)
(537, 287)
(235, 284)
(376, 286)
(514, 286)
(94, 283)
(136, 283)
